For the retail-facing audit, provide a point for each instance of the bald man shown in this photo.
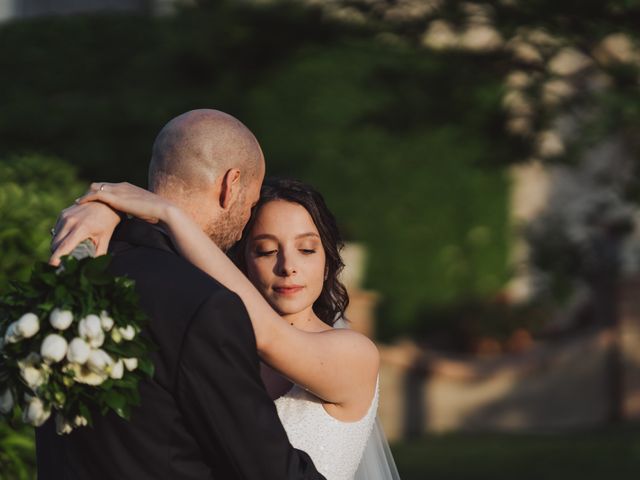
(205, 414)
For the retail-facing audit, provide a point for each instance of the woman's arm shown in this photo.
(340, 366)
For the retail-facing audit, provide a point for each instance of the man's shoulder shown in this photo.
(180, 298)
(164, 274)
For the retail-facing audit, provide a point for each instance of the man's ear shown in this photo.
(229, 187)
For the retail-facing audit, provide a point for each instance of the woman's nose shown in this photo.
(285, 265)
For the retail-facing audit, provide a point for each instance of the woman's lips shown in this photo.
(289, 290)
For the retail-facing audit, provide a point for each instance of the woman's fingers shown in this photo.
(102, 186)
(95, 221)
(114, 201)
(89, 197)
(102, 246)
(64, 225)
(109, 193)
(100, 191)
(125, 198)
(66, 246)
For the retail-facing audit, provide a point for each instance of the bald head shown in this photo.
(210, 165)
(194, 149)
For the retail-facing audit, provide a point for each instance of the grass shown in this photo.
(612, 454)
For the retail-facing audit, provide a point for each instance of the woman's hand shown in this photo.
(95, 216)
(95, 221)
(130, 199)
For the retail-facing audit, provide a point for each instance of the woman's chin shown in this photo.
(284, 307)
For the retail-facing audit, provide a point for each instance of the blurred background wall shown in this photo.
(481, 158)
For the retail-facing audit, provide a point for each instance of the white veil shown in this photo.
(377, 461)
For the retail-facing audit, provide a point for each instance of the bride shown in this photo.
(324, 380)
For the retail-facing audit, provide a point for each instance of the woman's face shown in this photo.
(285, 258)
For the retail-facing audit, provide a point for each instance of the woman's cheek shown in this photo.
(257, 276)
(318, 278)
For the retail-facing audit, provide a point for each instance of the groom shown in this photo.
(206, 413)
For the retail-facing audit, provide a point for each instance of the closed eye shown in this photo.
(307, 251)
(265, 253)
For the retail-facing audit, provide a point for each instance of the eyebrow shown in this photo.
(268, 236)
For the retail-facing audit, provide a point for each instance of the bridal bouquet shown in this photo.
(70, 345)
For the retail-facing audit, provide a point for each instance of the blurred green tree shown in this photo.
(33, 191)
(17, 453)
(402, 142)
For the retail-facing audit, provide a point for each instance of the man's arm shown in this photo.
(224, 402)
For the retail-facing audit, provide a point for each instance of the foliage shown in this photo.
(400, 142)
(33, 191)
(17, 459)
(401, 168)
(570, 72)
(113, 80)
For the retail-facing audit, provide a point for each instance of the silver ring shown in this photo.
(102, 187)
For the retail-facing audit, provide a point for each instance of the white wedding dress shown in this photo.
(335, 447)
(339, 450)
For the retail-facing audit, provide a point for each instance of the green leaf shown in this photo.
(49, 278)
(124, 412)
(70, 266)
(86, 413)
(146, 365)
(114, 399)
(95, 268)
(100, 278)
(60, 294)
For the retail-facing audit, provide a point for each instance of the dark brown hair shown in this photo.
(333, 300)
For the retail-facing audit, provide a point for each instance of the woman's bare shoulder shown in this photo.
(357, 348)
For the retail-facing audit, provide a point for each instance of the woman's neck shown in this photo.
(305, 320)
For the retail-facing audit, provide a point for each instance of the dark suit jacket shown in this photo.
(206, 413)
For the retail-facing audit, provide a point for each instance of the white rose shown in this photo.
(99, 361)
(12, 335)
(35, 412)
(131, 363)
(28, 325)
(117, 370)
(6, 402)
(60, 319)
(90, 326)
(128, 332)
(82, 374)
(106, 321)
(116, 336)
(62, 425)
(25, 327)
(80, 421)
(33, 377)
(54, 348)
(97, 341)
(29, 371)
(90, 329)
(78, 351)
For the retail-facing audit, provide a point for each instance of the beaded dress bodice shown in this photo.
(335, 446)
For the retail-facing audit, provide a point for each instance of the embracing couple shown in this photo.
(253, 379)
